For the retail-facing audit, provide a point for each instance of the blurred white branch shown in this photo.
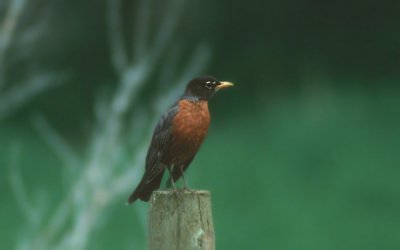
(22, 93)
(7, 32)
(14, 95)
(56, 142)
(108, 173)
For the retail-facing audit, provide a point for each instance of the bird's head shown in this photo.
(202, 88)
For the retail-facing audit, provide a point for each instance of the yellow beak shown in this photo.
(224, 85)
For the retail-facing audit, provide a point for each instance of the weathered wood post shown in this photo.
(181, 220)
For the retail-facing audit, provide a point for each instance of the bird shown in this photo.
(178, 136)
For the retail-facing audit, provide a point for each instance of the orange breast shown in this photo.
(190, 127)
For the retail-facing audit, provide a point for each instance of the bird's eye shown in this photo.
(209, 85)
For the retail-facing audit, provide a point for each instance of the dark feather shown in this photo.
(162, 138)
(146, 187)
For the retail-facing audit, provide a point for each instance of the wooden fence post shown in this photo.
(181, 220)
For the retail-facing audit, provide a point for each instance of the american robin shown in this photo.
(178, 136)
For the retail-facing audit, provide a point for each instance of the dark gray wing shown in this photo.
(162, 138)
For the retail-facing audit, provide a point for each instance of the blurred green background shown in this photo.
(303, 153)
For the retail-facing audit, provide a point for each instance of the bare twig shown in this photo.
(56, 142)
(14, 95)
(7, 32)
(23, 93)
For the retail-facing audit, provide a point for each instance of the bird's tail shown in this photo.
(145, 188)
